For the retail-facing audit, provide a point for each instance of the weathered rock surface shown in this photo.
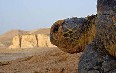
(72, 35)
(16, 42)
(106, 25)
(2, 45)
(100, 55)
(44, 41)
(31, 41)
(96, 60)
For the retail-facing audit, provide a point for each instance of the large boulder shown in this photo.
(96, 60)
(72, 35)
(100, 55)
(106, 25)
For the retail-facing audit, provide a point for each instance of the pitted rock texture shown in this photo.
(2, 45)
(72, 35)
(106, 24)
(96, 60)
(100, 55)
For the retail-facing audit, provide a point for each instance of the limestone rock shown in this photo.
(29, 41)
(44, 41)
(72, 35)
(16, 42)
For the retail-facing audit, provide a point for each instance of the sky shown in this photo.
(34, 14)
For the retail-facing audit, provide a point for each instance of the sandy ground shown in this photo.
(38, 60)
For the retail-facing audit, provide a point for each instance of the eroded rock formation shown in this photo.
(31, 41)
(72, 35)
(44, 40)
(2, 45)
(106, 25)
(100, 55)
(16, 42)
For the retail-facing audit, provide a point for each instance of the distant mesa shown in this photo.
(7, 37)
(31, 41)
(26, 39)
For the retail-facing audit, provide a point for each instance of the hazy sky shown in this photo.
(34, 14)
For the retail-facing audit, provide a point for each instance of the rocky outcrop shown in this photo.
(31, 41)
(44, 40)
(2, 45)
(72, 35)
(16, 42)
(95, 59)
(106, 25)
(100, 55)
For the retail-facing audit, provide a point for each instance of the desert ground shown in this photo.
(38, 60)
(34, 60)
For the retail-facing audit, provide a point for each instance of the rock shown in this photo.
(106, 28)
(100, 55)
(2, 45)
(16, 42)
(96, 60)
(29, 41)
(72, 35)
(44, 41)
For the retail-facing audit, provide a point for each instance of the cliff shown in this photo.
(7, 37)
(28, 41)
(16, 42)
(31, 41)
(44, 40)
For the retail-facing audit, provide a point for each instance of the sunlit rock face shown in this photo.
(72, 35)
(44, 41)
(29, 41)
(16, 42)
